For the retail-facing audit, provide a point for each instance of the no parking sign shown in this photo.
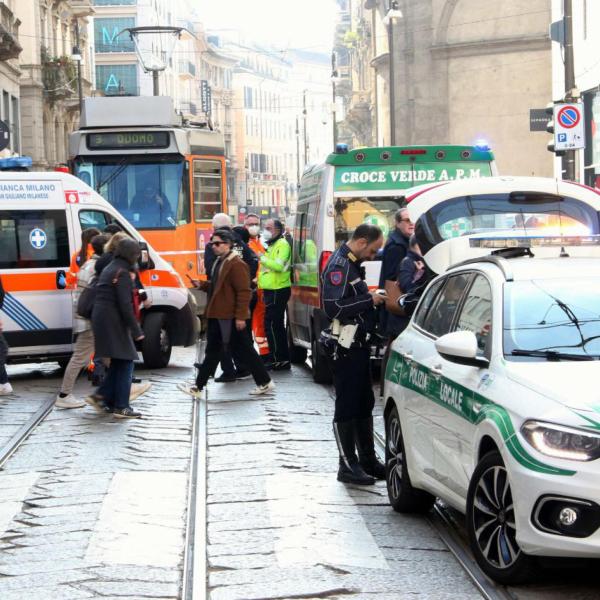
(569, 132)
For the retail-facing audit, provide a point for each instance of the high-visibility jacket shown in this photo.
(274, 273)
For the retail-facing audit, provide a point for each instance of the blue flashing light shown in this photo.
(482, 145)
(13, 163)
(341, 148)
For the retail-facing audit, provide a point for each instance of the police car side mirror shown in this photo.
(460, 347)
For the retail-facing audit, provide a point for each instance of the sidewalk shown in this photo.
(281, 526)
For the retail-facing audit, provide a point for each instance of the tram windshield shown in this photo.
(149, 193)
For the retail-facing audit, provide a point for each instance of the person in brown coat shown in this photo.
(228, 312)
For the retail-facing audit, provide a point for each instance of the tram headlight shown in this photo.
(562, 442)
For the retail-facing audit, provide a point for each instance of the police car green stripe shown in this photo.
(470, 405)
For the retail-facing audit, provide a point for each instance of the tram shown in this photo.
(167, 177)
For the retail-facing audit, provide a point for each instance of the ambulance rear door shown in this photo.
(36, 241)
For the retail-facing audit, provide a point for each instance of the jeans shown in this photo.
(82, 352)
(3, 355)
(275, 305)
(116, 387)
(241, 341)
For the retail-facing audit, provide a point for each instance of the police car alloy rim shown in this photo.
(494, 519)
(165, 344)
(395, 462)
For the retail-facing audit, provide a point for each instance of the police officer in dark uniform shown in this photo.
(347, 301)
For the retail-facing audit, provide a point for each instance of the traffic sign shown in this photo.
(569, 132)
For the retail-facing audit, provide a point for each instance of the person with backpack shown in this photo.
(116, 330)
(5, 387)
(82, 329)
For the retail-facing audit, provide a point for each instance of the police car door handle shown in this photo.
(436, 371)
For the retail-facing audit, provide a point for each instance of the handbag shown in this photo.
(85, 302)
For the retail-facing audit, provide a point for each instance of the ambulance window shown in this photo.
(440, 318)
(476, 313)
(93, 218)
(33, 239)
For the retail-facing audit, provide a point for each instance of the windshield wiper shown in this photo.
(551, 354)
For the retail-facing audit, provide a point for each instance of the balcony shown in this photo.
(187, 69)
(59, 76)
(81, 8)
(9, 31)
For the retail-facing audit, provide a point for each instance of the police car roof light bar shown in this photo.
(533, 241)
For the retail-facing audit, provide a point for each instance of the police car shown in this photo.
(491, 394)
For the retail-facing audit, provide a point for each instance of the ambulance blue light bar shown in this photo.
(533, 241)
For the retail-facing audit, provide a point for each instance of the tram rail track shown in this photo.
(194, 580)
(442, 522)
(24, 431)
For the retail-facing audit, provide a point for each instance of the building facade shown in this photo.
(460, 71)
(586, 49)
(10, 50)
(49, 77)
(265, 138)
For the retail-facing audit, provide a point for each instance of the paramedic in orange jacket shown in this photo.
(252, 224)
(82, 255)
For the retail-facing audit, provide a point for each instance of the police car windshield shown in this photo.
(148, 193)
(351, 212)
(555, 318)
(525, 213)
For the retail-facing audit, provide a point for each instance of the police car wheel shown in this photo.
(402, 495)
(491, 524)
(156, 347)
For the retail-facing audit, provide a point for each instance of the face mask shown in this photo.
(267, 235)
(254, 230)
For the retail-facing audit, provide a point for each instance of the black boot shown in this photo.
(366, 448)
(350, 470)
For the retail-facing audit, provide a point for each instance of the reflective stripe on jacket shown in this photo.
(274, 273)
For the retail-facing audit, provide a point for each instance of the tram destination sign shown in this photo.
(128, 140)
(390, 177)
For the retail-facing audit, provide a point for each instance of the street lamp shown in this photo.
(151, 62)
(334, 80)
(392, 15)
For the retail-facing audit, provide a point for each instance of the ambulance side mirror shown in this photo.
(460, 347)
(145, 262)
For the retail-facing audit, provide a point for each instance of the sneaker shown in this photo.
(225, 378)
(190, 390)
(5, 389)
(96, 402)
(243, 374)
(284, 365)
(136, 380)
(137, 389)
(262, 390)
(126, 413)
(68, 401)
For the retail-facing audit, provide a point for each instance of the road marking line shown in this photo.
(141, 521)
(320, 524)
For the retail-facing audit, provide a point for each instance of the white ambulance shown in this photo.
(42, 216)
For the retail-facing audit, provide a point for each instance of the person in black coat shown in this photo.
(412, 267)
(115, 329)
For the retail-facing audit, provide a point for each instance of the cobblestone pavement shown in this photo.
(281, 526)
(92, 506)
